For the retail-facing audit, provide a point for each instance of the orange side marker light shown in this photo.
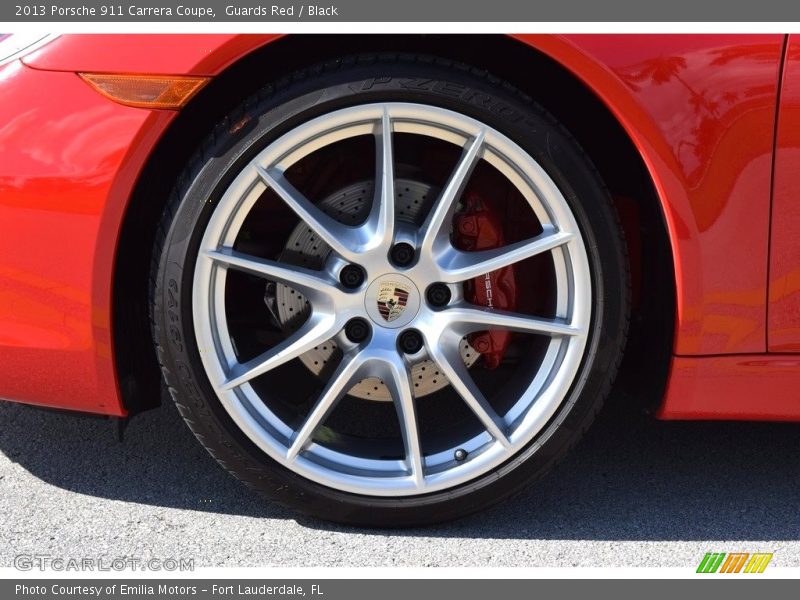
(146, 91)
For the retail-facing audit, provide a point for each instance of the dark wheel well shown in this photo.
(565, 97)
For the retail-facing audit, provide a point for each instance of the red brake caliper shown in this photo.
(480, 227)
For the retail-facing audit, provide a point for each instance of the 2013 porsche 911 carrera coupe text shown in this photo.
(391, 280)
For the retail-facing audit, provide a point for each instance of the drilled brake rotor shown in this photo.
(304, 248)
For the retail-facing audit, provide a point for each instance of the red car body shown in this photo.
(715, 119)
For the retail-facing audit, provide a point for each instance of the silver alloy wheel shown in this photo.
(443, 329)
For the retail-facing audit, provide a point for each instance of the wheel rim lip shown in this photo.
(546, 392)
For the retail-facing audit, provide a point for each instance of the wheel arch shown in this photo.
(521, 63)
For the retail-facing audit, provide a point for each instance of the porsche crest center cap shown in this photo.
(392, 301)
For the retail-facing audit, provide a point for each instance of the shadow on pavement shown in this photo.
(632, 478)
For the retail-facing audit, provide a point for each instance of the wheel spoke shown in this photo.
(467, 319)
(316, 330)
(442, 211)
(340, 381)
(312, 284)
(381, 217)
(462, 266)
(400, 388)
(452, 366)
(341, 238)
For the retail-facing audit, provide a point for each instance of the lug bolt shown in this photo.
(410, 341)
(460, 454)
(438, 294)
(351, 276)
(402, 254)
(356, 330)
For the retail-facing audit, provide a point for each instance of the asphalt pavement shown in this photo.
(635, 492)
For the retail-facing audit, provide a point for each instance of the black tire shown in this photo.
(275, 110)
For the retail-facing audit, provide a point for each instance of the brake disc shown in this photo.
(304, 248)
